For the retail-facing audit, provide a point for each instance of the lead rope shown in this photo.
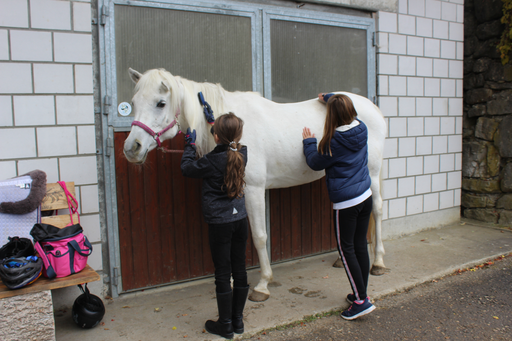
(167, 150)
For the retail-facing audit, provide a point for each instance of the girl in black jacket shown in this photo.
(223, 204)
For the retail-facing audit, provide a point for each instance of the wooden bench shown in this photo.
(55, 199)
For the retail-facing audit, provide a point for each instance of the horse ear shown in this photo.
(164, 88)
(134, 75)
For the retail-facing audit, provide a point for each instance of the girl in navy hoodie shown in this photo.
(223, 204)
(343, 153)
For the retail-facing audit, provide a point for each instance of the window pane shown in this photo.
(310, 58)
(202, 47)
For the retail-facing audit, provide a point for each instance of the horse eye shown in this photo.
(160, 104)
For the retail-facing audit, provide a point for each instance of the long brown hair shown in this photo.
(340, 111)
(229, 128)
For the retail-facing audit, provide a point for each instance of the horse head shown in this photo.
(156, 108)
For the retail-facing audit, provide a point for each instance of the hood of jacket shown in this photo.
(353, 139)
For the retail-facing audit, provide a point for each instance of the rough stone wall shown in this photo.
(487, 130)
(27, 317)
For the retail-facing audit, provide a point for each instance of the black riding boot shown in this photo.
(223, 326)
(239, 299)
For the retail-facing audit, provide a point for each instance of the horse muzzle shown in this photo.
(134, 152)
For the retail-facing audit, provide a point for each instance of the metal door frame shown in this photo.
(260, 15)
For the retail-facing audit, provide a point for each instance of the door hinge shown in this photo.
(114, 276)
(107, 102)
(103, 15)
(110, 145)
(374, 41)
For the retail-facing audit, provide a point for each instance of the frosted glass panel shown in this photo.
(308, 59)
(202, 47)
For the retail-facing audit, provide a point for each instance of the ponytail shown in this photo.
(235, 172)
(228, 129)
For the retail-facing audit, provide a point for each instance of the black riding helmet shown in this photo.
(88, 309)
(17, 247)
(19, 272)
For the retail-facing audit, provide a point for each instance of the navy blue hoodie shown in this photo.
(346, 170)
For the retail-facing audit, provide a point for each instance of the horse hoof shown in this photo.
(338, 263)
(257, 296)
(378, 270)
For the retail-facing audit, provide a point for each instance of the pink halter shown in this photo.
(156, 136)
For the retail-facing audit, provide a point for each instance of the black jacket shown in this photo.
(218, 208)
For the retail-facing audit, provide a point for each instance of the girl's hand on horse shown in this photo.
(306, 133)
(190, 137)
(325, 97)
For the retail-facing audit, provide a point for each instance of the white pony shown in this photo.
(166, 104)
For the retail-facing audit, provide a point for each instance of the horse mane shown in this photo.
(192, 110)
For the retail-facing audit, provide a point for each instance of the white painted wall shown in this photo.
(46, 100)
(420, 70)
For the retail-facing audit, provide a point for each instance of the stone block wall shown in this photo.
(487, 131)
(27, 317)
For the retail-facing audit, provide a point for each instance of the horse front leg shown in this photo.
(255, 204)
(378, 267)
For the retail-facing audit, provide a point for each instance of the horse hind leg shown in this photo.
(378, 267)
(338, 263)
(255, 204)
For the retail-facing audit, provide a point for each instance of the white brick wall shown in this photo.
(56, 141)
(5, 111)
(75, 110)
(72, 47)
(19, 76)
(21, 143)
(31, 45)
(4, 45)
(26, 106)
(53, 78)
(83, 79)
(50, 14)
(420, 70)
(13, 13)
(46, 99)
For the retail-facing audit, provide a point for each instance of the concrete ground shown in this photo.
(466, 305)
(301, 288)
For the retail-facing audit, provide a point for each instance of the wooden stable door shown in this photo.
(164, 239)
(302, 221)
(162, 235)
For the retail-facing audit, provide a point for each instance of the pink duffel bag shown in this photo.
(64, 251)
